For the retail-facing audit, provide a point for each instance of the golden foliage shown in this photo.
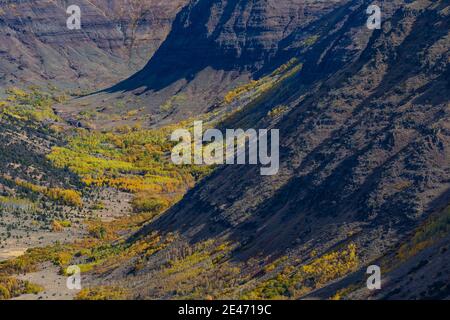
(101, 293)
(262, 85)
(293, 282)
(63, 196)
(31, 105)
(58, 225)
(12, 287)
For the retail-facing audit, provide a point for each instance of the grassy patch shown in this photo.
(101, 293)
(136, 161)
(12, 287)
(30, 105)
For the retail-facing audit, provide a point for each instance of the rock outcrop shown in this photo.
(116, 39)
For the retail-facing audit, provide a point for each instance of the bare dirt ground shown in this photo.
(54, 285)
(13, 248)
(116, 204)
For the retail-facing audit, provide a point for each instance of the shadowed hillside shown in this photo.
(363, 118)
(364, 152)
(214, 47)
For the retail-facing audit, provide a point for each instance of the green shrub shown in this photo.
(145, 203)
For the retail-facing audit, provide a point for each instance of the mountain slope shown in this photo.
(213, 47)
(116, 39)
(364, 177)
(365, 145)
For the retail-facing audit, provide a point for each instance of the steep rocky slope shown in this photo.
(116, 39)
(26, 177)
(365, 144)
(364, 176)
(213, 47)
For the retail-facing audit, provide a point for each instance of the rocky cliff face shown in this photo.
(226, 35)
(116, 39)
(213, 47)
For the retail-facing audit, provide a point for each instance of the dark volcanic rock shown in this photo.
(365, 147)
(216, 45)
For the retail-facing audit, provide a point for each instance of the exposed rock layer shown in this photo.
(116, 39)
